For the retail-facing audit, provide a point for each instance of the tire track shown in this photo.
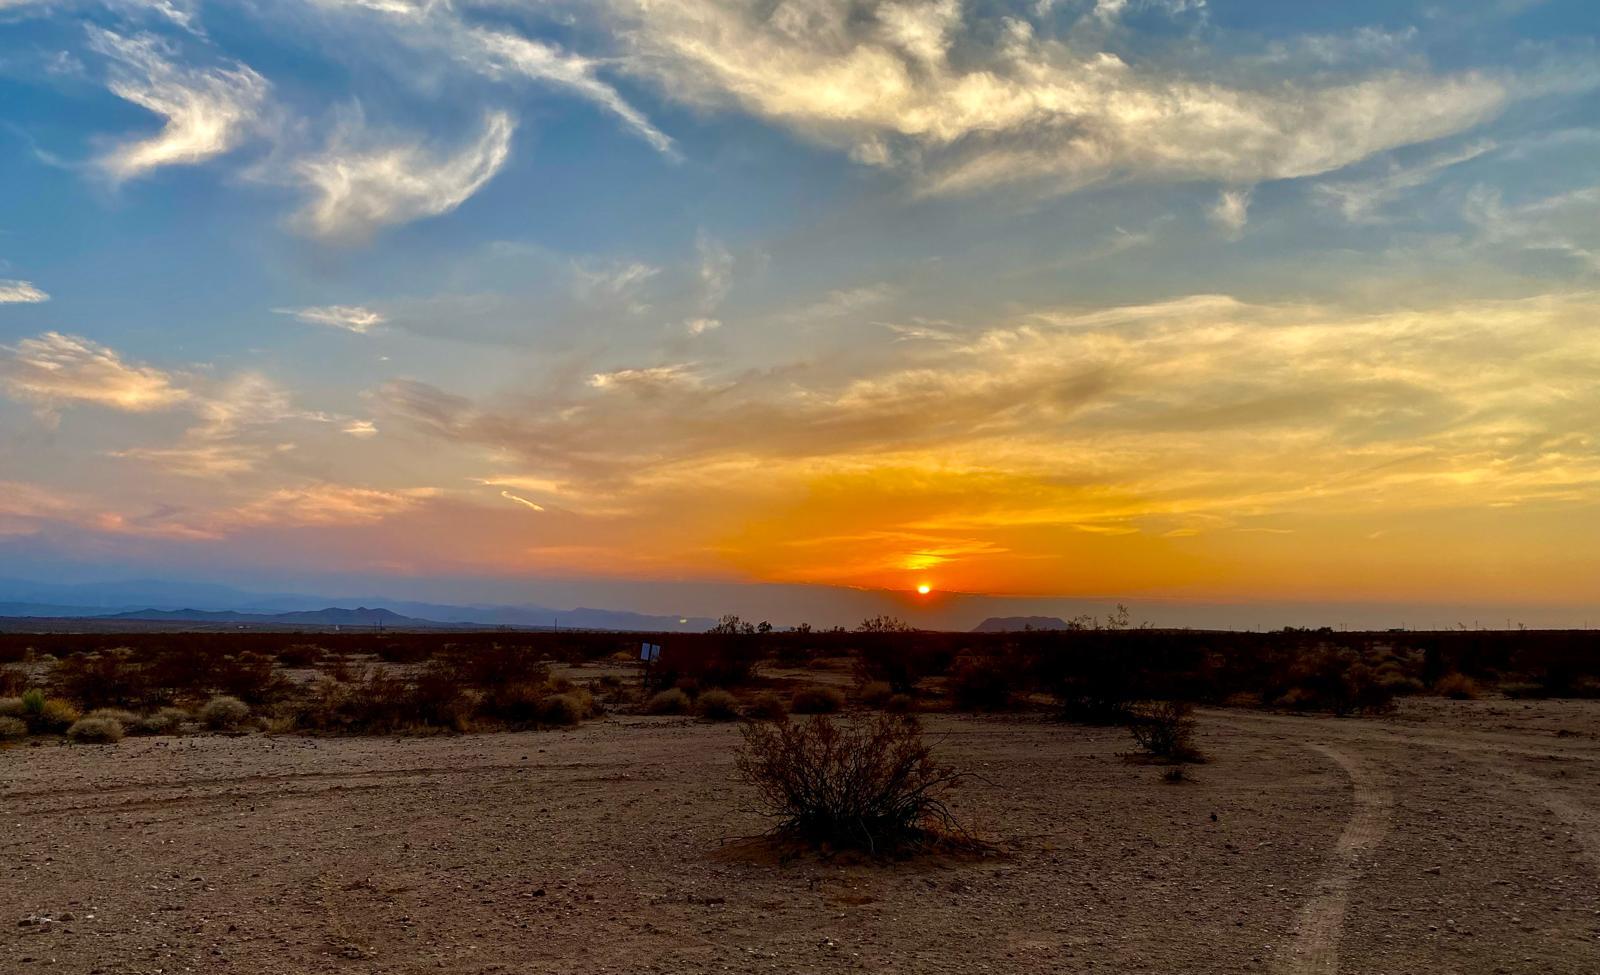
(1315, 948)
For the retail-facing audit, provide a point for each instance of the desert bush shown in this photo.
(12, 707)
(768, 706)
(900, 704)
(125, 718)
(12, 681)
(13, 729)
(248, 676)
(167, 721)
(871, 786)
(47, 716)
(717, 705)
(96, 731)
(816, 700)
(300, 655)
(984, 684)
(874, 693)
(1457, 687)
(224, 713)
(98, 680)
(670, 701)
(900, 662)
(1165, 730)
(567, 708)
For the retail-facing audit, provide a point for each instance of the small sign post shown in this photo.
(649, 653)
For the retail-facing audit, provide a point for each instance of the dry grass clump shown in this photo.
(13, 729)
(125, 718)
(1165, 731)
(167, 721)
(767, 706)
(875, 693)
(900, 704)
(817, 700)
(670, 701)
(567, 708)
(224, 713)
(96, 731)
(871, 786)
(717, 705)
(1457, 687)
(46, 715)
(11, 707)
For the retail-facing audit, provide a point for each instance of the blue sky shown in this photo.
(1155, 299)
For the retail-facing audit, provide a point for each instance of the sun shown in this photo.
(923, 589)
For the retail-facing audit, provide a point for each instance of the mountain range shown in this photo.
(147, 600)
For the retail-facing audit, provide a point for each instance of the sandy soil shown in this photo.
(1449, 838)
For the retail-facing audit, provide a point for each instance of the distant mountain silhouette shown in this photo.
(332, 616)
(1015, 624)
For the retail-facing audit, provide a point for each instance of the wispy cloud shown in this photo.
(877, 78)
(55, 369)
(1231, 212)
(351, 318)
(21, 292)
(1362, 201)
(207, 111)
(503, 54)
(358, 187)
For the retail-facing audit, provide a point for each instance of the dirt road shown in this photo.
(1450, 838)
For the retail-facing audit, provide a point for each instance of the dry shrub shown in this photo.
(875, 694)
(47, 716)
(13, 729)
(768, 706)
(872, 785)
(167, 721)
(224, 713)
(1457, 687)
(12, 707)
(96, 731)
(12, 681)
(125, 718)
(567, 708)
(984, 684)
(717, 705)
(1165, 730)
(670, 701)
(900, 704)
(817, 700)
(300, 655)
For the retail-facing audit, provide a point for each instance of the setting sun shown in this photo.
(924, 589)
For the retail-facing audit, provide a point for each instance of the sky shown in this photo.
(777, 306)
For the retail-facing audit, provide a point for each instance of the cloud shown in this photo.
(207, 112)
(326, 504)
(1231, 212)
(362, 429)
(878, 78)
(55, 369)
(1565, 223)
(700, 326)
(351, 318)
(359, 188)
(503, 54)
(521, 500)
(1361, 201)
(20, 292)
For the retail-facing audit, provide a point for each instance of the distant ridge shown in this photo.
(332, 616)
(1016, 624)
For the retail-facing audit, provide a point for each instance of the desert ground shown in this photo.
(1446, 837)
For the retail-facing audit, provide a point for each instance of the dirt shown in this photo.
(1452, 837)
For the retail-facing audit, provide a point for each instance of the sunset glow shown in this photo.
(1229, 303)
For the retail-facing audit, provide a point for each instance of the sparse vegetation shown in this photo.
(1457, 687)
(13, 729)
(1165, 731)
(224, 713)
(872, 785)
(817, 700)
(96, 731)
(875, 693)
(768, 706)
(717, 705)
(166, 721)
(670, 701)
